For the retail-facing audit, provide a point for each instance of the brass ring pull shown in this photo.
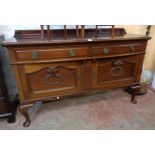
(72, 53)
(52, 72)
(35, 55)
(58, 76)
(106, 50)
(118, 69)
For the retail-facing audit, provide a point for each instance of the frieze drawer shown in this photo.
(118, 49)
(44, 54)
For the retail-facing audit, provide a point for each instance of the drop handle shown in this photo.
(72, 53)
(105, 50)
(35, 55)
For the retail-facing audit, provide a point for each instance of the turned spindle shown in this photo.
(113, 31)
(65, 31)
(48, 32)
(77, 31)
(82, 31)
(148, 30)
(42, 32)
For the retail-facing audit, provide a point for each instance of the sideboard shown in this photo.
(52, 68)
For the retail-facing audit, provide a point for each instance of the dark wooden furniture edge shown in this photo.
(12, 108)
(26, 43)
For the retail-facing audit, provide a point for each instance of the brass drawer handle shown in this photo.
(106, 50)
(35, 55)
(132, 48)
(72, 53)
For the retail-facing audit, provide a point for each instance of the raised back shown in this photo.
(79, 33)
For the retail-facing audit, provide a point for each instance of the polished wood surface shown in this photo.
(100, 50)
(68, 66)
(120, 71)
(51, 53)
(44, 80)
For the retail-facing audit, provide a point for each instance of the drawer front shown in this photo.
(43, 54)
(45, 80)
(118, 49)
(117, 72)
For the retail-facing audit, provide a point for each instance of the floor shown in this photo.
(111, 109)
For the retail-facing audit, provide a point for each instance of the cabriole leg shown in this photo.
(24, 111)
(135, 90)
(29, 111)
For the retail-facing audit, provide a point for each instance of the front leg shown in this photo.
(24, 111)
(134, 90)
(29, 111)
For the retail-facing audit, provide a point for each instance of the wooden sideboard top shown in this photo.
(32, 37)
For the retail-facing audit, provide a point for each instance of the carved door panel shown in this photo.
(44, 80)
(117, 72)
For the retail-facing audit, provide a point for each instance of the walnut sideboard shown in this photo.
(48, 69)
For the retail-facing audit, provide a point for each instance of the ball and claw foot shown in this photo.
(26, 123)
(25, 113)
(134, 101)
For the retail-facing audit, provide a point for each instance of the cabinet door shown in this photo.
(45, 80)
(117, 72)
